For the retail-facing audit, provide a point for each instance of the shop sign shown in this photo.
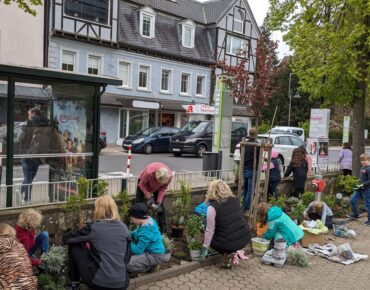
(145, 105)
(199, 109)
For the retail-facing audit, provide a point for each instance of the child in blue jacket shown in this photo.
(147, 246)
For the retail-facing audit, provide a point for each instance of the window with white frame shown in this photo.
(68, 60)
(234, 45)
(185, 83)
(238, 21)
(147, 22)
(188, 34)
(94, 63)
(200, 85)
(166, 80)
(90, 10)
(144, 77)
(124, 73)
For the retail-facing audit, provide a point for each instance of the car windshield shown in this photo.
(189, 127)
(262, 139)
(196, 128)
(147, 131)
(276, 131)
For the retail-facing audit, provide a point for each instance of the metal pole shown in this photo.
(290, 98)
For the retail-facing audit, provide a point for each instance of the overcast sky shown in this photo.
(259, 9)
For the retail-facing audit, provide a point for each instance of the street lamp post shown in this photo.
(296, 96)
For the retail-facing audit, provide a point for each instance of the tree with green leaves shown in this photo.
(330, 40)
(26, 6)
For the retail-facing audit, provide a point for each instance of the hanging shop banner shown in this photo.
(202, 109)
(346, 123)
(319, 123)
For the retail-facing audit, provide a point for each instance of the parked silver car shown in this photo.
(284, 144)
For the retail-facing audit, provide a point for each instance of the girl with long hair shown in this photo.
(299, 167)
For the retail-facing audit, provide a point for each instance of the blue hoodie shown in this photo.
(279, 225)
(147, 238)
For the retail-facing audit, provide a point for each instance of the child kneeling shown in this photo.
(27, 226)
(147, 246)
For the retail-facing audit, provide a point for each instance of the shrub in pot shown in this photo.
(168, 245)
(180, 209)
(195, 248)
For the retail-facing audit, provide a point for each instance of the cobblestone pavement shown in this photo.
(252, 274)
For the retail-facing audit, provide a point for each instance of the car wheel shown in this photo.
(148, 149)
(99, 148)
(200, 150)
(177, 154)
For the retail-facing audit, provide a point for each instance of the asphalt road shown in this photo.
(113, 159)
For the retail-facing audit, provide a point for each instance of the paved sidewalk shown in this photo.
(322, 274)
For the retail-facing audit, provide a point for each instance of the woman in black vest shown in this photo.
(227, 230)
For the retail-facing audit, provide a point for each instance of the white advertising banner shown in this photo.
(319, 123)
(346, 123)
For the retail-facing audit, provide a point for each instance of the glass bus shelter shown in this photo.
(49, 129)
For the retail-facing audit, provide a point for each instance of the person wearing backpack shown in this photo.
(32, 140)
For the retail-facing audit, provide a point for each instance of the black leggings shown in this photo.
(79, 266)
(161, 216)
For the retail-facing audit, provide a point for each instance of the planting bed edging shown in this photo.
(172, 272)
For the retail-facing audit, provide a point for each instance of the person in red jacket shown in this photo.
(28, 223)
(152, 184)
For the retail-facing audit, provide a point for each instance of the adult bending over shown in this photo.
(318, 210)
(152, 184)
(99, 253)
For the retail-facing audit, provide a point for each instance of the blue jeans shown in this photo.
(42, 243)
(29, 167)
(365, 195)
(247, 188)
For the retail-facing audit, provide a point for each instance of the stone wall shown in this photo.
(57, 220)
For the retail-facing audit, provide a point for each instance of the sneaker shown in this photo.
(353, 216)
(367, 223)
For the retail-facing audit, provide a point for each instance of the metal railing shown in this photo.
(58, 192)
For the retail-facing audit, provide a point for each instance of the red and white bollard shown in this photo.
(129, 156)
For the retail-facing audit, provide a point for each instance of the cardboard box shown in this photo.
(310, 238)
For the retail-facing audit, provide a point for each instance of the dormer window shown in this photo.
(147, 22)
(188, 34)
(238, 21)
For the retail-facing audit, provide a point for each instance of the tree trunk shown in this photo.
(358, 130)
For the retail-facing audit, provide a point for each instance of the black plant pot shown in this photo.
(177, 232)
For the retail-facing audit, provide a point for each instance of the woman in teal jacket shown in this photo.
(279, 225)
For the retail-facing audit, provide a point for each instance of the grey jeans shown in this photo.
(142, 263)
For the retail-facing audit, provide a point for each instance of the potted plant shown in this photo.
(193, 227)
(168, 245)
(180, 210)
(195, 248)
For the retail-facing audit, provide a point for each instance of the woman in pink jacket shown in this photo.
(152, 184)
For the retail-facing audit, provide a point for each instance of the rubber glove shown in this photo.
(203, 254)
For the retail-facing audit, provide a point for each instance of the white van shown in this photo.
(292, 130)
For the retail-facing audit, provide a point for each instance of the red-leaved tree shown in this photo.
(254, 90)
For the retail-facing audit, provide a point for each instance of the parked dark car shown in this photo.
(102, 140)
(196, 137)
(154, 139)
